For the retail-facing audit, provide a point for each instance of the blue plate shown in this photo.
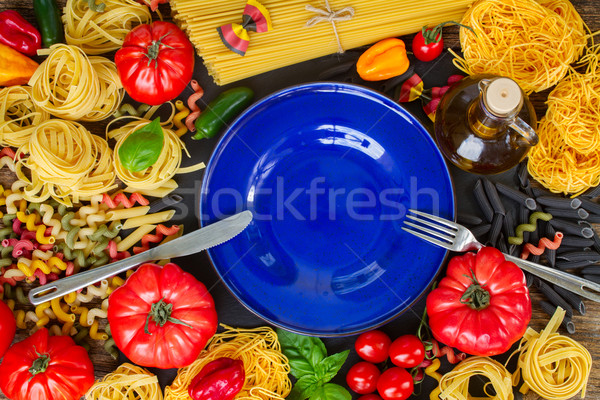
(329, 170)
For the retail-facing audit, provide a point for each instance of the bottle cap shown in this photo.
(503, 97)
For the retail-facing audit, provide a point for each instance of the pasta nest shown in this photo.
(532, 42)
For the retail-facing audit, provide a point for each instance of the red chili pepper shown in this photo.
(19, 34)
(220, 379)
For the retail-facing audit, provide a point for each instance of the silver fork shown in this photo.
(455, 237)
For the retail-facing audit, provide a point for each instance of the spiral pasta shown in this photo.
(71, 86)
(20, 115)
(66, 161)
(102, 32)
(532, 43)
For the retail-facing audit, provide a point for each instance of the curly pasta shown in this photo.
(102, 32)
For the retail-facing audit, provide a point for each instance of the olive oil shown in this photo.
(483, 124)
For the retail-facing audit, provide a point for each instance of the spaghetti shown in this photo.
(554, 366)
(102, 32)
(20, 115)
(291, 41)
(532, 43)
(71, 86)
(265, 365)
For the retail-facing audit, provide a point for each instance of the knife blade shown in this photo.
(194, 242)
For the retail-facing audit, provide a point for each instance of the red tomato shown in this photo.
(155, 63)
(8, 327)
(395, 384)
(426, 46)
(373, 346)
(46, 367)
(371, 396)
(482, 305)
(362, 377)
(407, 351)
(161, 317)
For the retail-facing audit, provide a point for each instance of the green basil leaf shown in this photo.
(330, 366)
(331, 391)
(303, 352)
(304, 388)
(142, 148)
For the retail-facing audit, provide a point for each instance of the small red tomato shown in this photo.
(428, 44)
(371, 396)
(373, 346)
(407, 351)
(362, 377)
(395, 384)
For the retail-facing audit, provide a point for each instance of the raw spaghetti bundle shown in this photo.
(71, 86)
(265, 365)
(291, 40)
(20, 115)
(66, 162)
(532, 42)
(567, 158)
(98, 32)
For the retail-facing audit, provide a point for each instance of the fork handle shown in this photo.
(583, 287)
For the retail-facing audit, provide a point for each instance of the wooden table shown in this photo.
(588, 328)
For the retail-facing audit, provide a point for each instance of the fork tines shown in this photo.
(432, 226)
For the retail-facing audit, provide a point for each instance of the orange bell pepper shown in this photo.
(385, 59)
(15, 68)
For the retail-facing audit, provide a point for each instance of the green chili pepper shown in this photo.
(221, 111)
(48, 17)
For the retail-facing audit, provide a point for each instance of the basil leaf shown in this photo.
(303, 352)
(142, 148)
(304, 388)
(331, 391)
(330, 366)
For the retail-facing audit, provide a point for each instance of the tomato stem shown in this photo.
(434, 35)
(40, 364)
(161, 314)
(154, 49)
(476, 296)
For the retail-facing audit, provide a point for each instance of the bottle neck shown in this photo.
(483, 123)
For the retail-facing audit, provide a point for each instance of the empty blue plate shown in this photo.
(329, 171)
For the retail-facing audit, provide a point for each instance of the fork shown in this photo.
(455, 237)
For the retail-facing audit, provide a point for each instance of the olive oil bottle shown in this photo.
(484, 124)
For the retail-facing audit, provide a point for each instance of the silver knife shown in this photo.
(194, 242)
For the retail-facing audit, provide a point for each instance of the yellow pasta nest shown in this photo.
(265, 365)
(531, 42)
(71, 86)
(567, 158)
(20, 115)
(102, 32)
(66, 162)
(127, 382)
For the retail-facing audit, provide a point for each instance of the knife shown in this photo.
(194, 242)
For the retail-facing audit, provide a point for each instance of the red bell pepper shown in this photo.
(19, 34)
(220, 379)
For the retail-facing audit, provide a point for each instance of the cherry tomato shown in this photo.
(373, 346)
(362, 377)
(426, 46)
(371, 396)
(407, 351)
(395, 384)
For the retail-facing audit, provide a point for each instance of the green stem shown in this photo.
(476, 296)
(154, 49)
(40, 364)
(160, 312)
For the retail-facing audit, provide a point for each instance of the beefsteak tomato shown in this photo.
(482, 305)
(155, 63)
(8, 327)
(161, 316)
(46, 367)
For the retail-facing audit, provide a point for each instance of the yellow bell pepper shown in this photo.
(385, 59)
(15, 68)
